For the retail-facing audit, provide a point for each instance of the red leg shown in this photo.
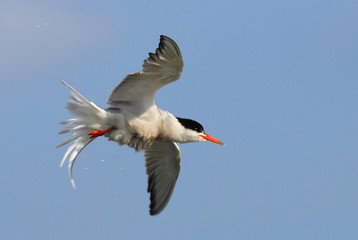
(97, 133)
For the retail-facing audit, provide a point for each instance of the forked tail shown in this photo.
(88, 122)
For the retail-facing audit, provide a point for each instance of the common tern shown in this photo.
(134, 119)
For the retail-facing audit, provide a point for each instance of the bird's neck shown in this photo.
(173, 130)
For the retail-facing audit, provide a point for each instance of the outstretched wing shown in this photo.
(137, 90)
(162, 161)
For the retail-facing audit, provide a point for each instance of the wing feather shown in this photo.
(137, 90)
(162, 161)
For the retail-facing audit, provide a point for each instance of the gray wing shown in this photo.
(161, 68)
(162, 161)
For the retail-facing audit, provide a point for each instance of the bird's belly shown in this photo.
(138, 133)
(133, 140)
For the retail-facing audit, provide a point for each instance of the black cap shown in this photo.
(191, 124)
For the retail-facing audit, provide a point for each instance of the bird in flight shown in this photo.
(134, 119)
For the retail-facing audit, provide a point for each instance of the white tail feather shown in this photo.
(88, 117)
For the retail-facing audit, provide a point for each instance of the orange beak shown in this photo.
(211, 139)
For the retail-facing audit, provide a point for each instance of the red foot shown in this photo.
(97, 133)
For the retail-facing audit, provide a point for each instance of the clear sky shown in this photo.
(276, 81)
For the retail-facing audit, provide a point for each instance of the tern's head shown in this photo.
(194, 131)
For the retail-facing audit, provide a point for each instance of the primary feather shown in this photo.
(136, 92)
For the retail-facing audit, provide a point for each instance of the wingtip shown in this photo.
(152, 213)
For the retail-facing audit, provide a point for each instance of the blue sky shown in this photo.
(276, 81)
